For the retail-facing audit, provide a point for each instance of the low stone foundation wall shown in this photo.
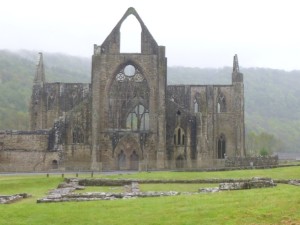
(245, 162)
(64, 191)
(6, 199)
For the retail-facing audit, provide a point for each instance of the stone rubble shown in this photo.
(294, 182)
(255, 182)
(6, 199)
(65, 191)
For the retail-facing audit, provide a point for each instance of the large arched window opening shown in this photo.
(130, 35)
(129, 99)
(221, 147)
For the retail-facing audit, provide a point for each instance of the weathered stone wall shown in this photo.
(77, 157)
(24, 140)
(112, 103)
(51, 100)
(197, 110)
(25, 151)
(251, 161)
(91, 126)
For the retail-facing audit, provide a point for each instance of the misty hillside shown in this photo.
(272, 104)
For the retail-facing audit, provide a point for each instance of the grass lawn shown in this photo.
(279, 205)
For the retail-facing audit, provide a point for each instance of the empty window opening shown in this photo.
(179, 137)
(54, 164)
(221, 105)
(129, 70)
(218, 107)
(221, 147)
(196, 106)
(130, 35)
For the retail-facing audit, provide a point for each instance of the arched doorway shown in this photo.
(121, 160)
(134, 161)
(127, 154)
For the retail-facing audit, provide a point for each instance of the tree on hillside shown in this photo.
(262, 144)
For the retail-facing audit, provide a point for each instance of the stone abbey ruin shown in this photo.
(128, 118)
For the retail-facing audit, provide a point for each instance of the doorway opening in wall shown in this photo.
(134, 161)
(54, 164)
(130, 35)
(121, 160)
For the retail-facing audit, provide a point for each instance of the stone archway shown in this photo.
(121, 164)
(127, 154)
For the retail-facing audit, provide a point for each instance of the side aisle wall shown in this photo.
(22, 151)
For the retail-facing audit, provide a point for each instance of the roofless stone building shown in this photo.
(128, 118)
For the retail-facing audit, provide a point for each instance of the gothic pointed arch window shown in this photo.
(179, 136)
(129, 99)
(50, 101)
(196, 103)
(138, 118)
(221, 104)
(221, 145)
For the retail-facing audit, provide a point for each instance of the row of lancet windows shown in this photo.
(221, 105)
(179, 139)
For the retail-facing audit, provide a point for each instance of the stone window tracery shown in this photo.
(138, 118)
(128, 90)
(129, 72)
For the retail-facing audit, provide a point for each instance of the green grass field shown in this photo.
(279, 205)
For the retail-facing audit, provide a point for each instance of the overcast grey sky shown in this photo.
(197, 33)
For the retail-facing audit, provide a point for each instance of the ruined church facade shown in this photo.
(128, 118)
